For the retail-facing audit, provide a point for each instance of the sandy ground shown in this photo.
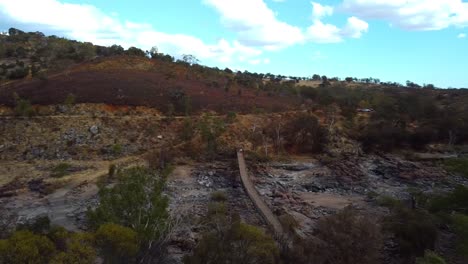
(65, 204)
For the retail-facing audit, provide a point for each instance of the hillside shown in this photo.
(110, 152)
(139, 81)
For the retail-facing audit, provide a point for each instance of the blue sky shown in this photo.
(419, 40)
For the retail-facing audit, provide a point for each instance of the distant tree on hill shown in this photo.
(132, 51)
(15, 32)
(316, 77)
(411, 84)
(116, 50)
(349, 79)
(325, 81)
(190, 59)
(305, 134)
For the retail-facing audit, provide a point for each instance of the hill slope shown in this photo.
(139, 81)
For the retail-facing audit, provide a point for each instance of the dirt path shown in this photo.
(262, 207)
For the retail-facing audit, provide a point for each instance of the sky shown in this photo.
(424, 41)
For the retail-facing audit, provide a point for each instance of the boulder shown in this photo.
(94, 129)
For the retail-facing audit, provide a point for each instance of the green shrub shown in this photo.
(457, 165)
(456, 201)
(460, 225)
(80, 248)
(388, 201)
(219, 196)
(235, 243)
(40, 225)
(26, 247)
(217, 208)
(24, 108)
(59, 236)
(415, 230)
(343, 238)
(117, 244)
(231, 117)
(61, 170)
(136, 201)
(305, 134)
(117, 149)
(256, 157)
(430, 258)
(347, 237)
(211, 127)
(70, 100)
(112, 170)
(188, 130)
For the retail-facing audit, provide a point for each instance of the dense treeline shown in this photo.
(396, 117)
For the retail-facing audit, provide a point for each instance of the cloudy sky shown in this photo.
(395, 40)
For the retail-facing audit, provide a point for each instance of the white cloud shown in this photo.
(256, 24)
(87, 23)
(319, 11)
(323, 33)
(412, 14)
(327, 33)
(461, 35)
(355, 28)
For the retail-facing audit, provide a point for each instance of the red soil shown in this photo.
(143, 82)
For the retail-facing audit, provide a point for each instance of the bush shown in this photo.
(415, 230)
(136, 201)
(460, 225)
(112, 170)
(388, 201)
(256, 157)
(211, 127)
(216, 209)
(117, 244)
(188, 129)
(456, 201)
(343, 238)
(117, 149)
(347, 237)
(227, 240)
(235, 243)
(59, 236)
(80, 248)
(160, 159)
(231, 117)
(70, 100)
(458, 166)
(219, 196)
(61, 170)
(40, 225)
(24, 108)
(430, 258)
(382, 136)
(305, 134)
(26, 247)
